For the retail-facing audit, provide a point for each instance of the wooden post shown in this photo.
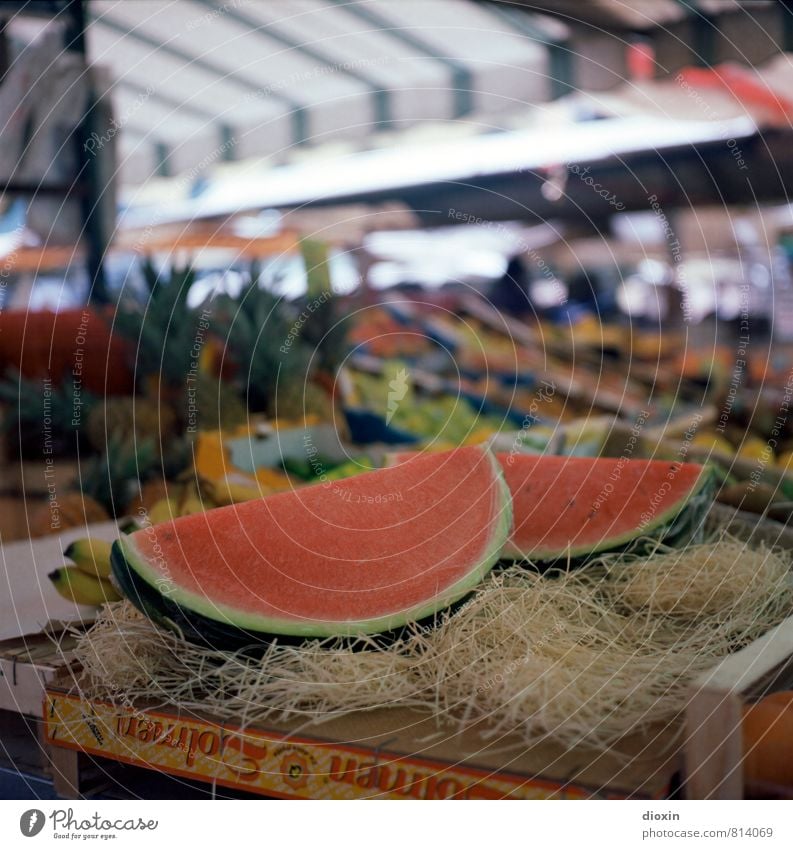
(714, 748)
(714, 715)
(65, 765)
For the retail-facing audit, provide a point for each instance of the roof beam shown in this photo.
(144, 134)
(381, 96)
(704, 30)
(224, 130)
(166, 100)
(462, 78)
(297, 110)
(786, 10)
(33, 8)
(162, 154)
(227, 142)
(560, 57)
(704, 33)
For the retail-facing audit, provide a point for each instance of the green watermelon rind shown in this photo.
(610, 543)
(166, 602)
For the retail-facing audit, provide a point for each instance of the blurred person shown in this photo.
(510, 293)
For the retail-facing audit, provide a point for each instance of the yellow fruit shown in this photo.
(193, 504)
(714, 443)
(439, 445)
(90, 555)
(753, 448)
(223, 493)
(211, 460)
(785, 461)
(75, 585)
(164, 510)
(476, 437)
(147, 496)
(272, 480)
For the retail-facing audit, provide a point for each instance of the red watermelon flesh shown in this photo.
(571, 506)
(361, 555)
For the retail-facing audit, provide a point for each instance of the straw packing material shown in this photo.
(704, 580)
(583, 657)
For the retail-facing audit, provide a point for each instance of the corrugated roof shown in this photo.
(190, 74)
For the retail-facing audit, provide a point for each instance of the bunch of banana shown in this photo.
(222, 492)
(87, 582)
(183, 499)
(206, 494)
(199, 494)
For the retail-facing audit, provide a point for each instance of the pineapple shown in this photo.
(109, 478)
(260, 338)
(130, 420)
(218, 405)
(297, 401)
(165, 335)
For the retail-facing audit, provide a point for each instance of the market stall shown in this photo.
(449, 460)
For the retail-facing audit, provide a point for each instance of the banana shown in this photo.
(91, 556)
(223, 493)
(74, 584)
(191, 505)
(163, 511)
(190, 501)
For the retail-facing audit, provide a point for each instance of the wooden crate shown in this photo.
(392, 754)
(27, 665)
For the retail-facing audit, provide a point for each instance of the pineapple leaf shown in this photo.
(162, 332)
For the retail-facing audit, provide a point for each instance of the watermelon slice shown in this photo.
(364, 555)
(575, 506)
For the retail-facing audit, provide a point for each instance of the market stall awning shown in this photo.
(463, 167)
